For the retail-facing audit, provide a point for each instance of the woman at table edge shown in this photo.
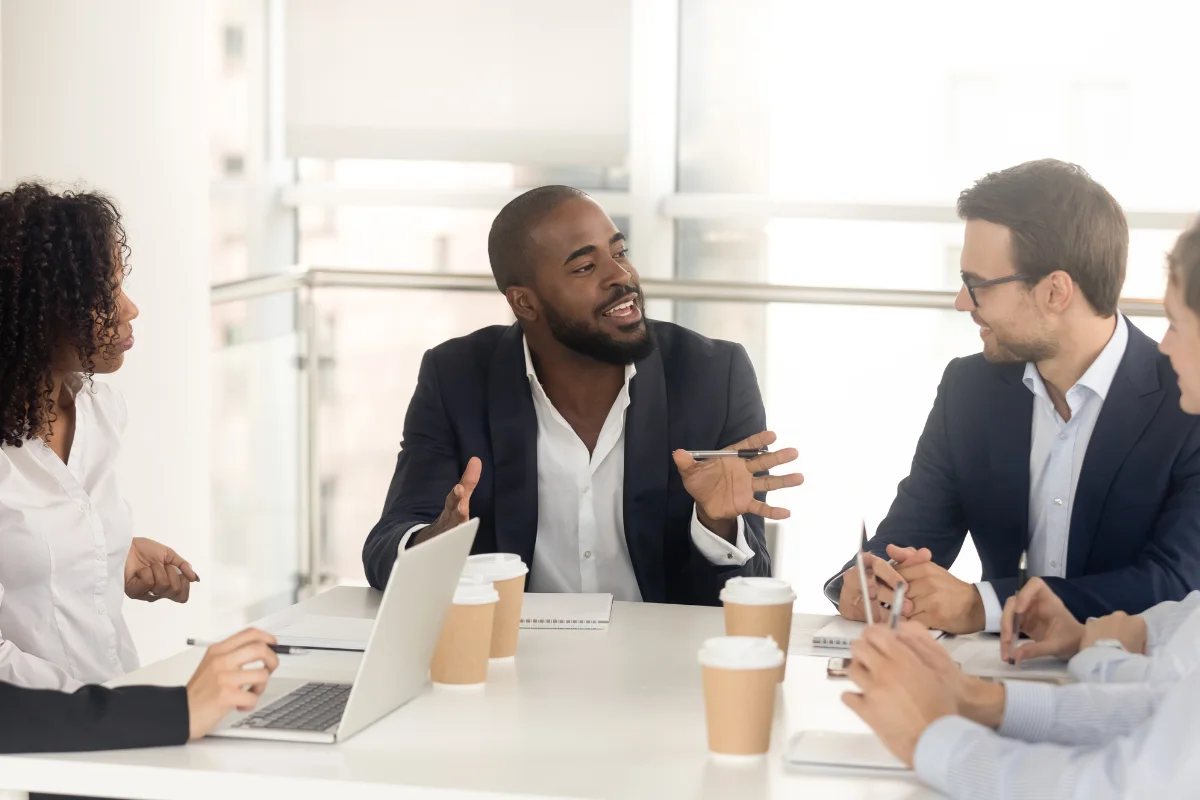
(68, 557)
(96, 718)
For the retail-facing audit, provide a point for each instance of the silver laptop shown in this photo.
(394, 667)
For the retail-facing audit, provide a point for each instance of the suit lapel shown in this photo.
(1009, 421)
(1131, 403)
(513, 427)
(647, 465)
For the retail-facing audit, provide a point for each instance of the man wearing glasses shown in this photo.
(1063, 439)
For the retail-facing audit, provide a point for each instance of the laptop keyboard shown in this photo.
(312, 707)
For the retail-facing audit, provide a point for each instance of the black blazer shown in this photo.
(1135, 523)
(93, 718)
(473, 399)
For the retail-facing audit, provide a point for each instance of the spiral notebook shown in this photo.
(842, 632)
(573, 611)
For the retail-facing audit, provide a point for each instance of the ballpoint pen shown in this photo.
(860, 560)
(897, 604)
(281, 649)
(700, 455)
(1022, 574)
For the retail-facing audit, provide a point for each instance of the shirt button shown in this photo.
(1054, 564)
(587, 554)
(1062, 438)
(86, 506)
(586, 489)
(102, 611)
(99, 555)
(1058, 501)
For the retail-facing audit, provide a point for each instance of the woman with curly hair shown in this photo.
(67, 552)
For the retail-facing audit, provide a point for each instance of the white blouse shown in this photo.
(65, 533)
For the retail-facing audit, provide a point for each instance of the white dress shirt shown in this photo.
(580, 544)
(1087, 740)
(1056, 453)
(1172, 648)
(65, 533)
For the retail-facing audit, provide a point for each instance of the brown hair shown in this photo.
(1183, 262)
(1060, 219)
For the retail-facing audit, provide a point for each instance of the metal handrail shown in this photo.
(307, 282)
(655, 288)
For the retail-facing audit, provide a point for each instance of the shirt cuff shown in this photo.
(404, 540)
(1028, 711)
(1108, 665)
(993, 611)
(716, 549)
(934, 757)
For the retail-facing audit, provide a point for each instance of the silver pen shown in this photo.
(700, 455)
(281, 649)
(897, 604)
(866, 594)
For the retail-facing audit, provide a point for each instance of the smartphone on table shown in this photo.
(838, 668)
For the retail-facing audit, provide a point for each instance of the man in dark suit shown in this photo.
(96, 718)
(570, 428)
(1063, 439)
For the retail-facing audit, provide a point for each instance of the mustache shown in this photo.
(620, 294)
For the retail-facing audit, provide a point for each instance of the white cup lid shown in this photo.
(741, 652)
(474, 590)
(496, 566)
(757, 591)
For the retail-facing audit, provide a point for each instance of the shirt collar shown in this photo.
(1099, 375)
(531, 373)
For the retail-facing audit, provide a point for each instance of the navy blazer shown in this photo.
(1135, 523)
(92, 718)
(473, 399)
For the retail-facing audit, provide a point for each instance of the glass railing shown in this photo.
(315, 368)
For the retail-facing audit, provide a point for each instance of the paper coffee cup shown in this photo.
(759, 607)
(461, 657)
(506, 571)
(740, 679)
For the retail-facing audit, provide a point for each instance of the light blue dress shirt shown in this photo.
(1093, 741)
(1056, 452)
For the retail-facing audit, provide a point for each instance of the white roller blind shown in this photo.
(522, 81)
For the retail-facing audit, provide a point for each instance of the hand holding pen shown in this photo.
(724, 483)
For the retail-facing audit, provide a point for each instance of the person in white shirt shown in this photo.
(567, 433)
(1131, 729)
(68, 556)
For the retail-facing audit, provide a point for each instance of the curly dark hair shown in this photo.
(59, 287)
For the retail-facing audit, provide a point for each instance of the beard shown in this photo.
(598, 345)
(1000, 351)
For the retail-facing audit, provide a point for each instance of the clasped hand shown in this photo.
(933, 598)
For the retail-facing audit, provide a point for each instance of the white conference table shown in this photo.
(617, 713)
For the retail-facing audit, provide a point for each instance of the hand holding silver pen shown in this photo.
(725, 484)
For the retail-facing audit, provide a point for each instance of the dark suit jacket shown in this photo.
(93, 718)
(473, 399)
(1135, 523)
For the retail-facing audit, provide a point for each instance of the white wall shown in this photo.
(113, 94)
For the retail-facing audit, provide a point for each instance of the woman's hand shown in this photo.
(154, 571)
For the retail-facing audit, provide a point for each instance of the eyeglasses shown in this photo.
(973, 285)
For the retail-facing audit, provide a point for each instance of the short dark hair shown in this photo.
(1060, 219)
(1184, 265)
(59, 285)
(508, 241)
